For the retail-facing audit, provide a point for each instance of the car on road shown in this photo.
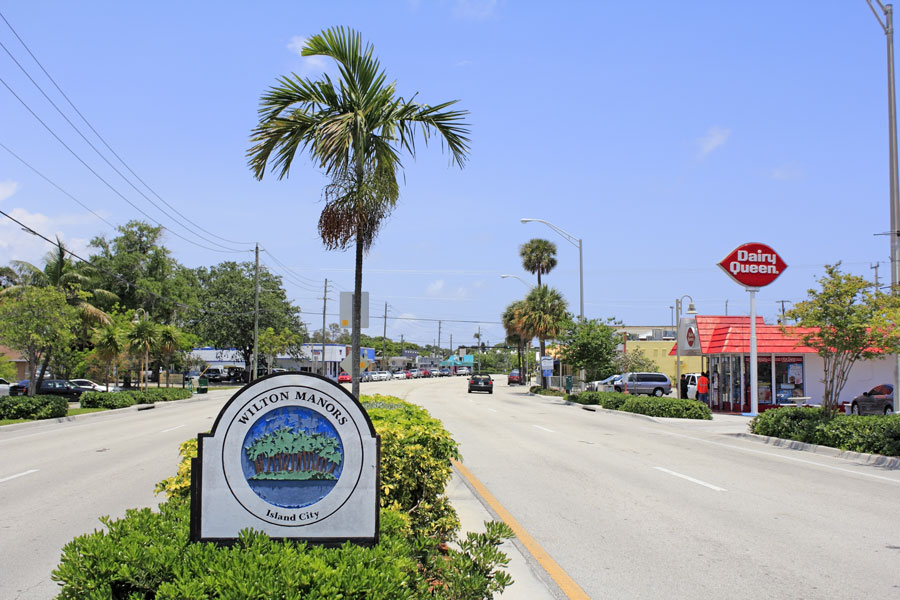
(415, 373)
(400, 375)
(481, 383)
(513, 377)
(51, 387)
(345, 377)
(651, 384)
(445, 372)
(877, 401)
(426, 373)
(4, 387)
(463, 371)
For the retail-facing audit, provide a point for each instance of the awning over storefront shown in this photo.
(731, 335)
(459, 361)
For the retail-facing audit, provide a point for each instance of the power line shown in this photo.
(100, 137)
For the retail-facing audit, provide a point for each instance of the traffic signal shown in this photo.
(482, 346)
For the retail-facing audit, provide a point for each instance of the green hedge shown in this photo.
(874, 434)
(584, 398)
(132, 397)
(536, 389)
(667, 407)
(33, 407)
(147, 554)
(612, 400)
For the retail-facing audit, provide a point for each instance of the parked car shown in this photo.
(604, 385)
(215, 374)
(692, 385)
(344, 377)
(513, 377)
(400, 375)
(481, 383)
(4, 387)
(426, 373)
(87, 383)
(51, 387)
(651, 384)
(445, 372)
(877, 401)
(463, 371)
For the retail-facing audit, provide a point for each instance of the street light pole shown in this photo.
(888, 26)
(525, 283)
(578, 243)
(691, 311)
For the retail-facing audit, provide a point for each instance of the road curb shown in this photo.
(877, 460)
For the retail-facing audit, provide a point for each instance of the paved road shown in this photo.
(633, 508)
(629, 507)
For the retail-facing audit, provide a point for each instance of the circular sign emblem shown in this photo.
(291, 454)
(753, 265)
(690, 337)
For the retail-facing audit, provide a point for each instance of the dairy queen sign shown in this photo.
(753, 266)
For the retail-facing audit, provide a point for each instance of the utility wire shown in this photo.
(101, 138)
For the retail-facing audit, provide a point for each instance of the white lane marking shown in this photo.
(493, 410)
(171, 428)
(29, 472)
(691, 479)
(544, 428)
(783, 457)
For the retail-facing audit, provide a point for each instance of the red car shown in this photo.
(513, 377)
(345, 377)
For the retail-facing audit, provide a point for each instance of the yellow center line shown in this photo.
(568, 586)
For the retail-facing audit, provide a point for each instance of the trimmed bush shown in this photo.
(584, 398)
(33, 407)
(148, 555)
(874, 434)
(612, 400)
(132, 397)
(667, 407)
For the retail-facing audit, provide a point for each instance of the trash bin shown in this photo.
(568, 384)
(202, 385)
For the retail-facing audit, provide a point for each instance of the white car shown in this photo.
(87, 383)
(4, 387)
(382, 375)
(463, 371)
(399, 375)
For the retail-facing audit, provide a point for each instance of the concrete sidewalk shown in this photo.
(526, 573)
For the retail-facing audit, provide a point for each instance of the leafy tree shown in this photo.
(109, 345)
(355, 129)
(142, 274)
(850, 321)
(272, 343)
(538, 256)
(541, 314)
(7, 368)
(142, 338)
(632, 361)
(514, 334)
(589, 345)
(36, 321)
(227, 297)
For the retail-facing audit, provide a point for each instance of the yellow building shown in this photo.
(658, 352)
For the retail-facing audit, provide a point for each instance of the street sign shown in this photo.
(547, 363)
(753, 265)
(347, 364)
(346, 312)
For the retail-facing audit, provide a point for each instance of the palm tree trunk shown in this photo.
(543, 379)
(357, 306)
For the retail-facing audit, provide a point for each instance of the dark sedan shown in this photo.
(481, 383)
(877, 401)
(51, 387)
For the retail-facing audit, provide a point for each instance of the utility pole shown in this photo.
(256, 316)
(782, 309)
(324, 304)
(402, 355)
(384, 341)
(875, 266)
(439, 340)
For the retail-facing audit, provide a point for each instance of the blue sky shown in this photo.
(663, 134)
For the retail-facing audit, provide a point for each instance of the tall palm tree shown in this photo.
(355, 128)
(169, 342)
(538, 256)
(513, 335)
(109, 345)
(541, 315)
(142, 339)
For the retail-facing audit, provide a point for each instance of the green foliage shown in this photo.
(870, 434)
(584, 398)
(590, 345)
(538, 257)
(667, 407)
(7, 368)
(612, 400)
(179, 485)
(33, 407)
(132, 397)
(851, 322)
(471, 572)
(634, 361)
(415, 463)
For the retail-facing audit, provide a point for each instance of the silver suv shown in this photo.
(651, 384)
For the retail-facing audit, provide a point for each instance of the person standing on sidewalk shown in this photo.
(682, 386)
(703, 389)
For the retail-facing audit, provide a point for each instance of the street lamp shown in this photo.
(577, 243)
(888, 26)
(528, 285)
(690, 311)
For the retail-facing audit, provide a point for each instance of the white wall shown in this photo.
(864, 375)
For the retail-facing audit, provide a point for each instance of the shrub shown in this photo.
(584, 398)
(612, 400)
(548, 392)
(33, 407)
(667, 407)
(415, 463)
(870, 434)
(107, 400)
(148, 555)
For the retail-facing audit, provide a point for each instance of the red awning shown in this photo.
(731, 335)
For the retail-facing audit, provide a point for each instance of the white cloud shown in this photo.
(715, 138)
(478, 10)
(8, 188)
(787, 172)
(435, 288)
(309, 64)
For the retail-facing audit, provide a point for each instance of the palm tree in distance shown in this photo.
(514, 335)
(541, 314)
(108, 344)
(355, 128)
(538, 256)
(142, 339)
